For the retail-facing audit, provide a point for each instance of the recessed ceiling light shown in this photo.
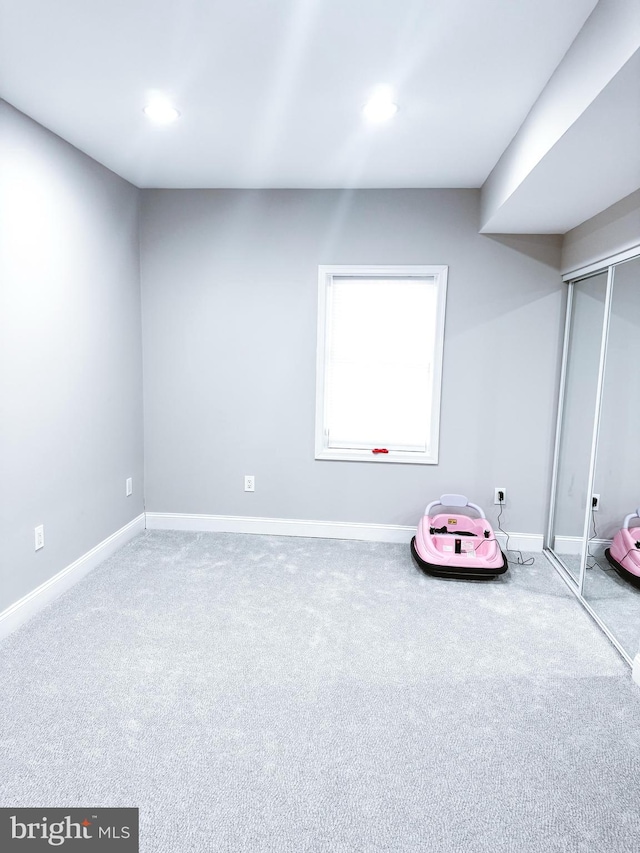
(380, 106)
(160, 111)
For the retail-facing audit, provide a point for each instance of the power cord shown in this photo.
(635, 548)
(483, 541)
(519, 561)
(595, 564)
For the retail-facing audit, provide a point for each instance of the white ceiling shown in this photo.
(271, 91)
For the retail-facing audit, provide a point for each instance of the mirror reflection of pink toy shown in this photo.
(457, 545)
(624, 553)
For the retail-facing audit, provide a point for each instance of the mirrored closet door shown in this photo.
(612, 587)
(596, 480)
(583, 345)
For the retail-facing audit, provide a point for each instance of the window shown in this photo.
(379, 370)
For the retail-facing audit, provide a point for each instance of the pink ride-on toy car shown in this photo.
(456, 545)
(624, 553)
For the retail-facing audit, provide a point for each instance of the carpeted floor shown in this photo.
(280, 695)
(614, 599)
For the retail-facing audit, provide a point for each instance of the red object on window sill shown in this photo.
(380, 450)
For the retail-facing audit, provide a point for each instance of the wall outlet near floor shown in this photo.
(499, 495)
(129, 486)
(249, 483)
(595, 502)
(39, 531)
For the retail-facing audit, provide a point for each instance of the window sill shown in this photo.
(393, 457)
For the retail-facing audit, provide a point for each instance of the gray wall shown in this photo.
(70, 353)
(614, 230)
(229, 283)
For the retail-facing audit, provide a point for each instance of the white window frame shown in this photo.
(325, 277)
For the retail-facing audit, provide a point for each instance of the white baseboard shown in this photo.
(22, 610)
(567, 544)
(280, 527)
(636, 669)
(313, 529)
(573, 544)
(522, 541)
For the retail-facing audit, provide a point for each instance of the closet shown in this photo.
(596, 470)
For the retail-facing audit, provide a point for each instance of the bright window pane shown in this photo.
(380, 362)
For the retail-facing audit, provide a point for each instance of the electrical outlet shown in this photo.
(129, 486)
(499, 495)
(39, 531)
(249, 483)
(595, 502)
